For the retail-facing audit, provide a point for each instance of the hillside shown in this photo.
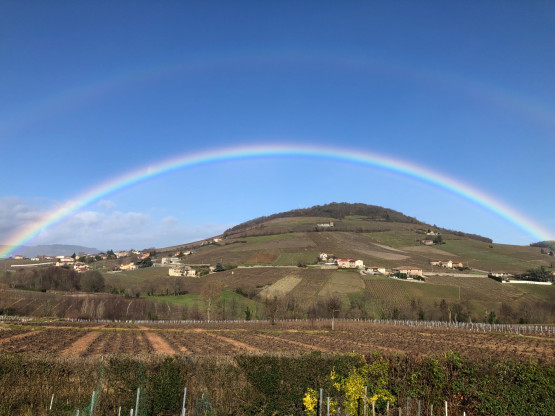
(376, 235)
(276, 257)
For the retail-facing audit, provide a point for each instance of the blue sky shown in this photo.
(92, 90)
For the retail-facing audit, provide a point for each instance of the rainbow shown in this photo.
(363, 158)
(530, 108)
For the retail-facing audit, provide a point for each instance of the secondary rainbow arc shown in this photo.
(364, 158)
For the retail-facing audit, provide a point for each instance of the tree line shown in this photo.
(55, 278)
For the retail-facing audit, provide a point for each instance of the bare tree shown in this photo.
(272, 307)
(333, 305)
(209, 292)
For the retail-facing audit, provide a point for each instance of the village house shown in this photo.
(446, 264)
(171, 260)
(81, 267)
(325, 257)
(359, 264)
(408, 270)
(35, 259)
(377, 270)
(182, 272)
(120, 254)
(64, 261)
(144, 256)
(128, 266)
(427, 242)
(329, 224)
(346, 263)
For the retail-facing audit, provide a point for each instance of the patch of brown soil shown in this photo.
(300, 344)
(262, 258)
(159, 344)
(235, 343)
(79, 347)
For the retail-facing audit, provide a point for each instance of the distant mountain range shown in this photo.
(53, 250)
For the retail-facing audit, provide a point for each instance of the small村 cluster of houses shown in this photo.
(350, 263)
(446, 264)
(178, 269)
(79, 266)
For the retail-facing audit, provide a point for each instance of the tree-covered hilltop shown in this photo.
(335, 210)
(341, 210)
(544, 244)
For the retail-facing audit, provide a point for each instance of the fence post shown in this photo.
(92, 403)
(365, 400)
(328, 412)
(321, 402)
(184, 401)
(387, 409)
(419, 407)
(137, 401)
(51, 403)
(446, 412)
(373, 408)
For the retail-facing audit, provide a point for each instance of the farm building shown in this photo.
(346, 263)
(377, 270)
(447, 264)
(409, 271)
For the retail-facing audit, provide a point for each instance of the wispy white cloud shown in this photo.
(14, 213)
(103, 229)
(106, 205)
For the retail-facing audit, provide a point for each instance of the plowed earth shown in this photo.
(227, 339)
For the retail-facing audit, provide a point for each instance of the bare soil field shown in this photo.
(232, 338)
(262, 258)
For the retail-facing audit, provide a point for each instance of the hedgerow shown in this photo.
(274, 384)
